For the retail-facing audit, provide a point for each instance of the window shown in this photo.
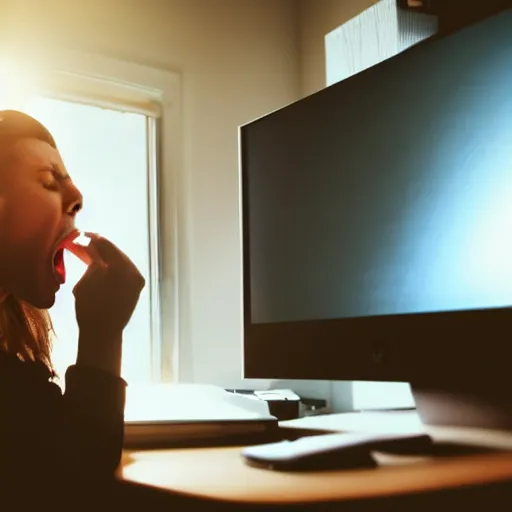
(111, 121)
(378, 33)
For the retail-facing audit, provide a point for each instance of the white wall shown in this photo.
(377, 34)
(239, 59)
(367, 39)
(317, 19)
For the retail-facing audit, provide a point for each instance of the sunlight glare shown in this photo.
(17, 85)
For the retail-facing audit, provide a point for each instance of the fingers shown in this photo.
(94, 272)
(107, 251)
(104, 254)
(80, 252)
(88, 254)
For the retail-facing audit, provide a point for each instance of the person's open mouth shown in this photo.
(59, 267)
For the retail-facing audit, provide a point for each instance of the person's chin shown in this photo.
(46, 302)
(40, 296)
(44, 299)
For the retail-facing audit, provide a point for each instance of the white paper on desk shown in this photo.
(185, 403)
(382, 422)
(167, 413)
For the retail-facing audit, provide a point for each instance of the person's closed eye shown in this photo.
(51, 180)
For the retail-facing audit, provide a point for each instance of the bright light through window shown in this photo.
(105, 153)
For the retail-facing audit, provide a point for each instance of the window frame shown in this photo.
(127, 86)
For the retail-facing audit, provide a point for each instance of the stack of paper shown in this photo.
(188, 413)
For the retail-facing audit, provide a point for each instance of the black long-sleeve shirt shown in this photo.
(44, 432)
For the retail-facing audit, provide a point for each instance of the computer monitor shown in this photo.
(377, 229)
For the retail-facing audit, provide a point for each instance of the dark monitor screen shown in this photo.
(388, 194)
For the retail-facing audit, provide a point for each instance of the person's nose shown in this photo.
(74, 202)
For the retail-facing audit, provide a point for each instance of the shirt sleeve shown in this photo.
(93, 408)
(78, 434)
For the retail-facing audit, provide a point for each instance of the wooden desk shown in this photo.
(219, 473)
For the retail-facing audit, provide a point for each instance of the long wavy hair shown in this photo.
(24, 330)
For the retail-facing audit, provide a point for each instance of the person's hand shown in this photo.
(105, 296)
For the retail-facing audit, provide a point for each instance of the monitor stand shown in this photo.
(476, 405)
